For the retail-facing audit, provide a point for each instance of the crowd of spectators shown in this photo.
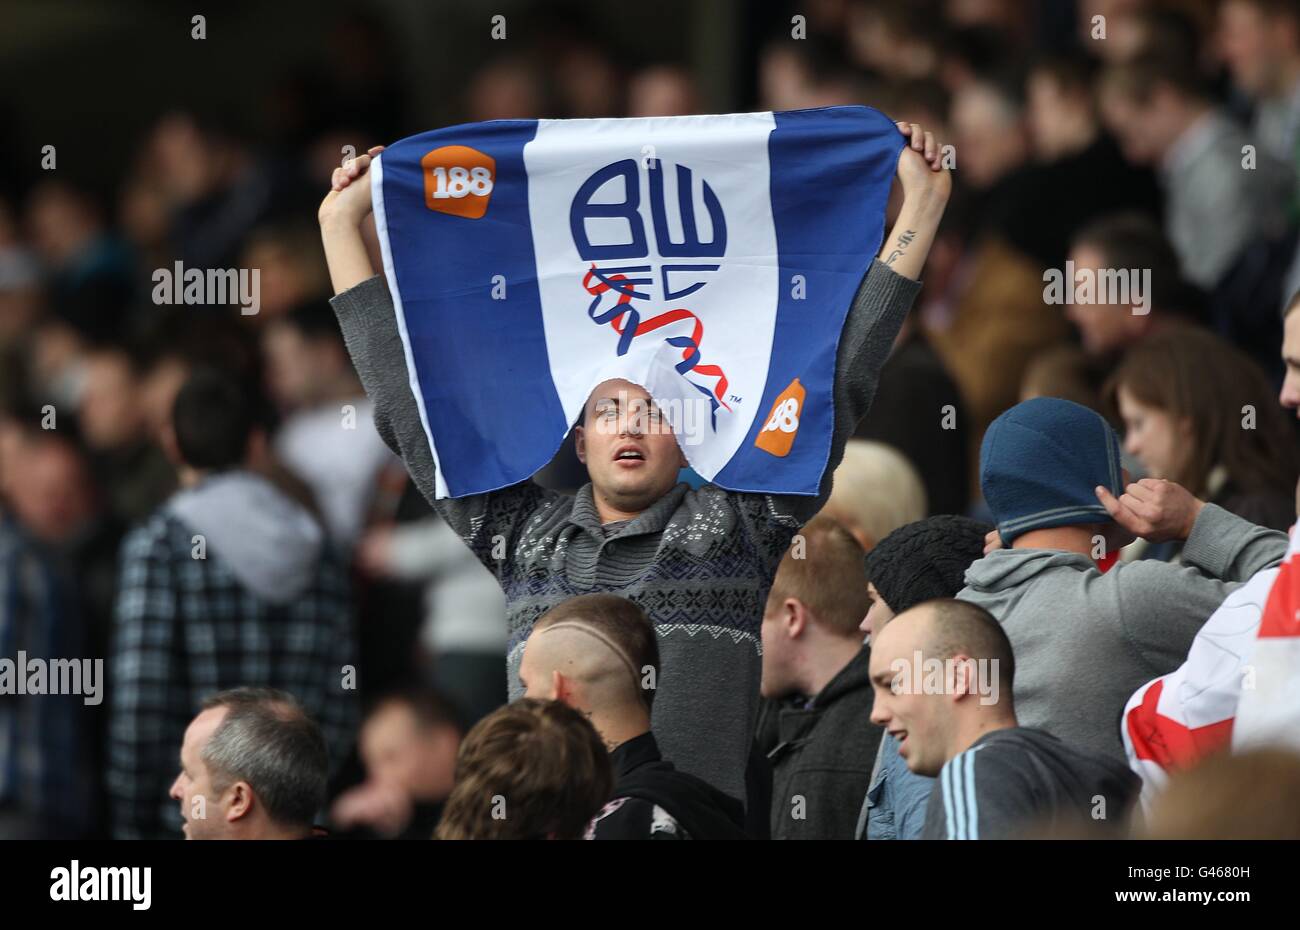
(199, 495)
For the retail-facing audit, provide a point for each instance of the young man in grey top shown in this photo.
(1085, 640)
(699, 562)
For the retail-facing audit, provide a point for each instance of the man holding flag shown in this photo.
(699, 562)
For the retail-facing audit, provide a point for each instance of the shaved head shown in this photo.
(942, 673)
(600, 647)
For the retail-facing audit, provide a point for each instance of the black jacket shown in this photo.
(645, 780)
(821, 754)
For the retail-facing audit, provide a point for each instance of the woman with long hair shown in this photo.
(1198, 411)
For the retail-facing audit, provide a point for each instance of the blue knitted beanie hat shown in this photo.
(1040, 462)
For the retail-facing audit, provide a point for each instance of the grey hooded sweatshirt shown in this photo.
(269, 543)
(1084, 641)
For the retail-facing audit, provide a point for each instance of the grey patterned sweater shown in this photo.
(699, 562)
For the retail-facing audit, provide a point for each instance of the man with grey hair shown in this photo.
(253, 767)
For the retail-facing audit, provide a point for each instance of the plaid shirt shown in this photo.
(43, 788)
(186, 628)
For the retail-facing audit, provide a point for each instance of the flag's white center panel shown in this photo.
(640, 278)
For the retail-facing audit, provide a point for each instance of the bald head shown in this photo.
(597, 652)
(942, 674)
(945, 628)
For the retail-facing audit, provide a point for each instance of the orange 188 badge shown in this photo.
(777, 435)
(458, 180)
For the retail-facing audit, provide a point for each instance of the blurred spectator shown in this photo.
(783, 76)
(465, 610)
(798, 74)
(973, 53)
(229, 583)
(1131, 244)
(145, 219)
(328, 436)
(1120, 32)
(663, 90)
(1290, 394)
(914, 380)
(899, 39)
(89, 268)
(45, 769)
(175, 341)
(921, 101)
(217, 188)
(408, 743)
(554, 797)
(20, 292)
(991, 321)
(1251, 796)
(176, 345)
(1161, 113)
(504, 89)
(364, 84)
(875, 491)
(915, 563)
(52, 495)
(1260, 43)
(253, 767)
(1081, 174)
(812, 726)
(1197, 411)
(47, 484)
(588, 83)
(1061, 112)
(1065, 372)
(990, 131)
(598, 653)
(291, 265)
(54, 500)
(114, 421)
(1007, 16)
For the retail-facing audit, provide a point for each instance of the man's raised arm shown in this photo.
(880, 306)
(368, 319)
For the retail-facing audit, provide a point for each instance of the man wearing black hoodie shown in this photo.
(598, 653)
(813, 727)
(943, 674)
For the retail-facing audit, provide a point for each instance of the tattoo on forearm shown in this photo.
(901, 245)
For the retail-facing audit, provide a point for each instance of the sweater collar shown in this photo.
(651, 520)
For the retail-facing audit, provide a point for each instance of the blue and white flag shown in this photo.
(710, 259)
